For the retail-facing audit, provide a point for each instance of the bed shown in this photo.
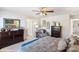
(45, 44)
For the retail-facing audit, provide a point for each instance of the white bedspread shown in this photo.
(46, 44)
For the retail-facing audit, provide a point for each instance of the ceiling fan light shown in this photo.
(43, 14)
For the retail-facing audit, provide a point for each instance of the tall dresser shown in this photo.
(56, 31)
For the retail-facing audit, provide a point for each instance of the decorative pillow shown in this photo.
(73, 40)
(78, 38)
(41, 33)
(74, 48)
(62, 45)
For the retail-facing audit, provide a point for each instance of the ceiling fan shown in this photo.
(43, 11)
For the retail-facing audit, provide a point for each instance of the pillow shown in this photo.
(73, 40)
(78, 38)
(74, 48)
(62, 45)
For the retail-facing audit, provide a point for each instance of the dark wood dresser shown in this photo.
(11, 37)
(56, 31)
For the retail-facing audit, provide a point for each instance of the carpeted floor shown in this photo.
(14, 47)
(11, 48)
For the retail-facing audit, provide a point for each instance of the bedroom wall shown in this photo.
(8, 14)
(26, 22)
(64, 20)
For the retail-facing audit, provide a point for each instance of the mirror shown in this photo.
(11, 23)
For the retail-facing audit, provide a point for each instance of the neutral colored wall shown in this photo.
(64, 21)
(28, 23)
(8, 14)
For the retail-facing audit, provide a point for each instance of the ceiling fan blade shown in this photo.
(37, 13)
(50, 11)
(43, 11)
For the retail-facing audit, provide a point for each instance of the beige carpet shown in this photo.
(11, 48)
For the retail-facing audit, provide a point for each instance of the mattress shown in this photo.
(45, 44)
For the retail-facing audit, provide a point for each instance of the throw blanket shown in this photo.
(45, 44)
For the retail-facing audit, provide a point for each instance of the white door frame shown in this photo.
(72, 20)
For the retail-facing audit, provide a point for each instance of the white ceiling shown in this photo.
(27, 11)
